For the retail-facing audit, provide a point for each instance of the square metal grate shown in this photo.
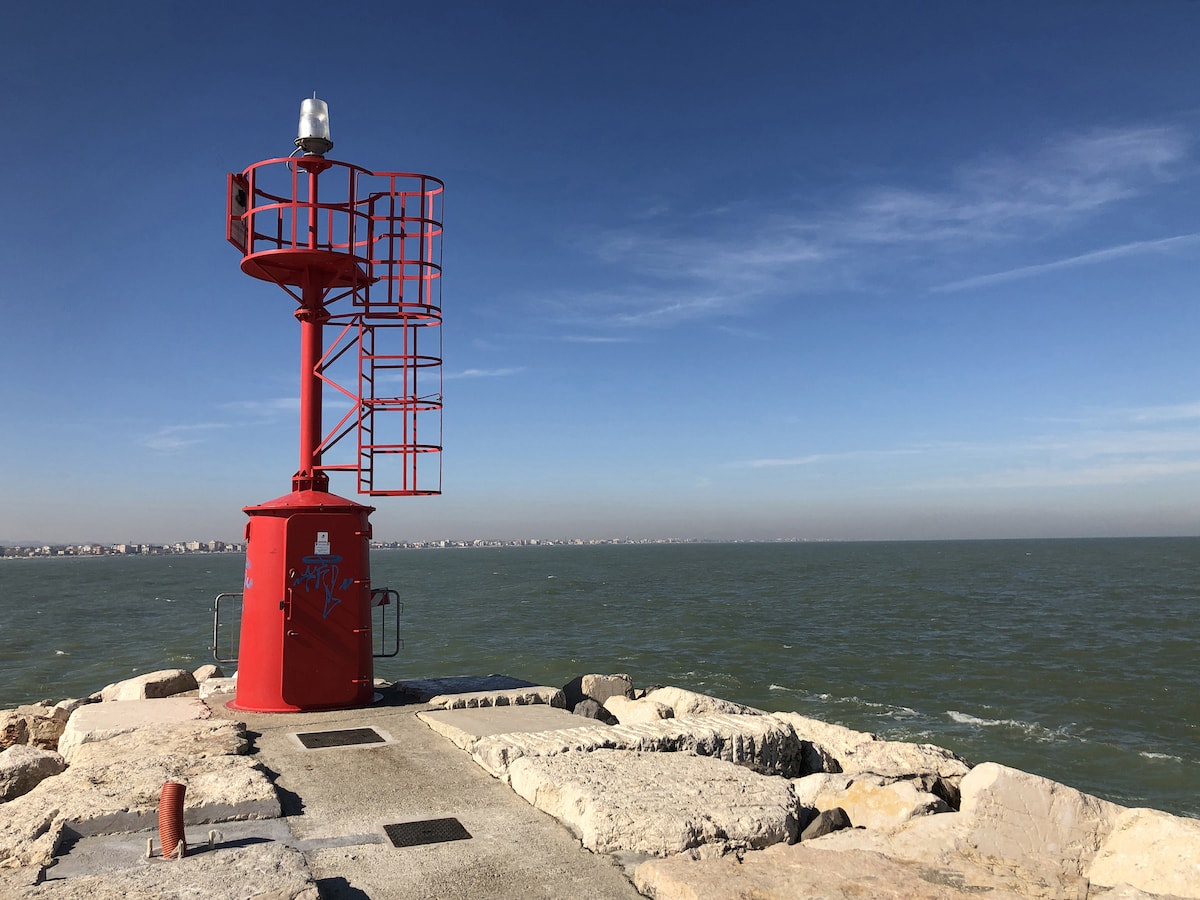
(347, 737)
(428, 831)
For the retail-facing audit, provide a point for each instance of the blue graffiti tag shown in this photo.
(322, 572)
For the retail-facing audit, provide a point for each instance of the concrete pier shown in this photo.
(331, 796)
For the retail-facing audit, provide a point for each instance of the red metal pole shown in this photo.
(312, 316)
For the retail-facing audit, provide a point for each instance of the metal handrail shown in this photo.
(383, 598)
(215, 648)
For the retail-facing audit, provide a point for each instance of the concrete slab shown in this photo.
(116, 852)
(134, 713)
(97, 721)
(514, 851)
(463, 727)
(422, 689)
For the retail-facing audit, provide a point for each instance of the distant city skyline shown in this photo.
(37, 549)
(719, 271)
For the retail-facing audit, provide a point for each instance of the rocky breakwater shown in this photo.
(96, 766)
(699, 797)
(694, 796)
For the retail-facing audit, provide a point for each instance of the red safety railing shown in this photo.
(364, 250)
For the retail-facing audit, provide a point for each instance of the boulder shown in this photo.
(69, 706)
(1014, 817)
(900, 759)
(259, 871)
(1027, 834)
(809, 870)
(213, 686)
(206, 672)
(838, 740)
(835, 748)
(590, 709)
(194, 739)
(629, 711)
(760, 742)
(659, 804)
(152, 685)
(688, 703)
(114, 785)
(99, 721)
(853, 752)
(826, 822)
(14, 729)
(1151, 851)
(36, 724)
(524, 696)
(23, 767)
(596, 687)
(871, 801)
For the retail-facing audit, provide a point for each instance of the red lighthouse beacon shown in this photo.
(360, 253)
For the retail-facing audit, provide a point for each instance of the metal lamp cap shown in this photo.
(313, 134)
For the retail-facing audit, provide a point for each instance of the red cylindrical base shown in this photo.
(306, 608)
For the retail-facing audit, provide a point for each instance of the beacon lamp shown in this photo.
(313, 134)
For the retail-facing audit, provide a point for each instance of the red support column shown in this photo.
(312, 316)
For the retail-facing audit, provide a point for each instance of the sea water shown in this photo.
(1074, 659)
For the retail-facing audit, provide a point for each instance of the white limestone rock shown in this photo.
(266, 871)
(1010, 815)
(194, 739)
(856, 752)
(524, 696)
(114, 785)
(871, 801)
(900, 759)
(152, 685)
(18, 881)
(99, 721)
(689, 703)
(596, 687)
(1126, 892)
(629, 712)
(657, 803)
(761, 742)
(211, 687)
(36, 724)
(1151, 851)
(810, 871)
(69, 706)
(838, 740)
(22, 768)
(205, 672)
(1034, 836)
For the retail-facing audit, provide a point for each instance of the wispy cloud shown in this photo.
(1166, 413)
(681, 268)
(1001, 196)
(264, 407)
(173, 438)
(485, 373)
(1111, 473)
(1117, 447)
(1085, 259)
(598, 339)
(812, 459)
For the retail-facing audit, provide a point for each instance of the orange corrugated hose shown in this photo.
(170, 820)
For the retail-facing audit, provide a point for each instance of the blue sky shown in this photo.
(753, 270)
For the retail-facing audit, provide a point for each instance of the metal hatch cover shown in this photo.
(346, 737)
(427, 831)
